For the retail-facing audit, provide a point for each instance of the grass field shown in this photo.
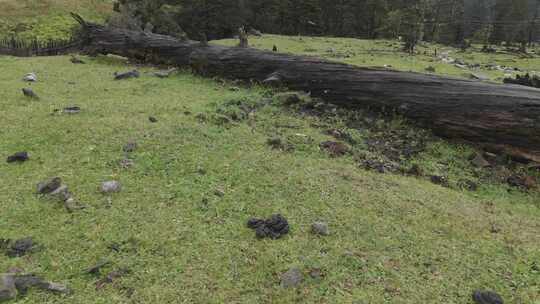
(378, 53)
(394, 238)
(179, 224)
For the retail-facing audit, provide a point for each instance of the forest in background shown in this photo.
(452, 22)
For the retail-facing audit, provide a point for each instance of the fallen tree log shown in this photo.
(497, 117)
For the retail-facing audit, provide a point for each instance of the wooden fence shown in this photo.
(28, 48)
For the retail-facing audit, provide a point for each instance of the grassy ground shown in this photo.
(394, 239)
(47, 19)
(378, 53)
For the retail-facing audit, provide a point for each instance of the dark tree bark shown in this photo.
(497, 117)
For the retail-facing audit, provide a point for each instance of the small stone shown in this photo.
(219, 192)
(152, 119)
(234, 89)
(21, 247)
(18, 157)
(320, 228)
(71, 205)
(110, 187)
(274, 227)
(126, 75)
(30, 77)
(61, 193)
(71, 110)
(58, 288)
(8, 291)
(479, 76)
(130, 147)
(430, 69)
(292, 278)
(486, 297)
(49, 186)
(29, 93)
(480, 162)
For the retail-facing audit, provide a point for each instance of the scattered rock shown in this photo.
(335, 149)
(292, 278)
(71, 205)
(486, 297)
(219, 192)
(430, 69)
(234, 89)
(110, 187)
(274, 227)
(479, 161)
(29, 93)
(61, 193)
(130, 147)
(380, 166)
(152, 119)
(30, 77)
(8, 291)
(320, 228)
(47, 187)
(126, 75)
(71, 110)
(110, 278)
(18, 157)
(439, 180)
(76, 60)
(21, 247)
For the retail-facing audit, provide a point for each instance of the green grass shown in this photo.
(47, 19)
(378, 53)
(394, 239)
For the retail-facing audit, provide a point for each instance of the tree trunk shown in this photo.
(497, 117)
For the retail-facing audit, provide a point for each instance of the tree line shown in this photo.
(455, 22)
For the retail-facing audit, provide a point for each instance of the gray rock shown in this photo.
(61, 193)
(30, 77)
(320, 228)
(486, 297)
(58, 288)
(110, 187)
(8, 291)
(292, 278)
(29, 93)
(48, 186)
(21, 247)
(71, 110)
